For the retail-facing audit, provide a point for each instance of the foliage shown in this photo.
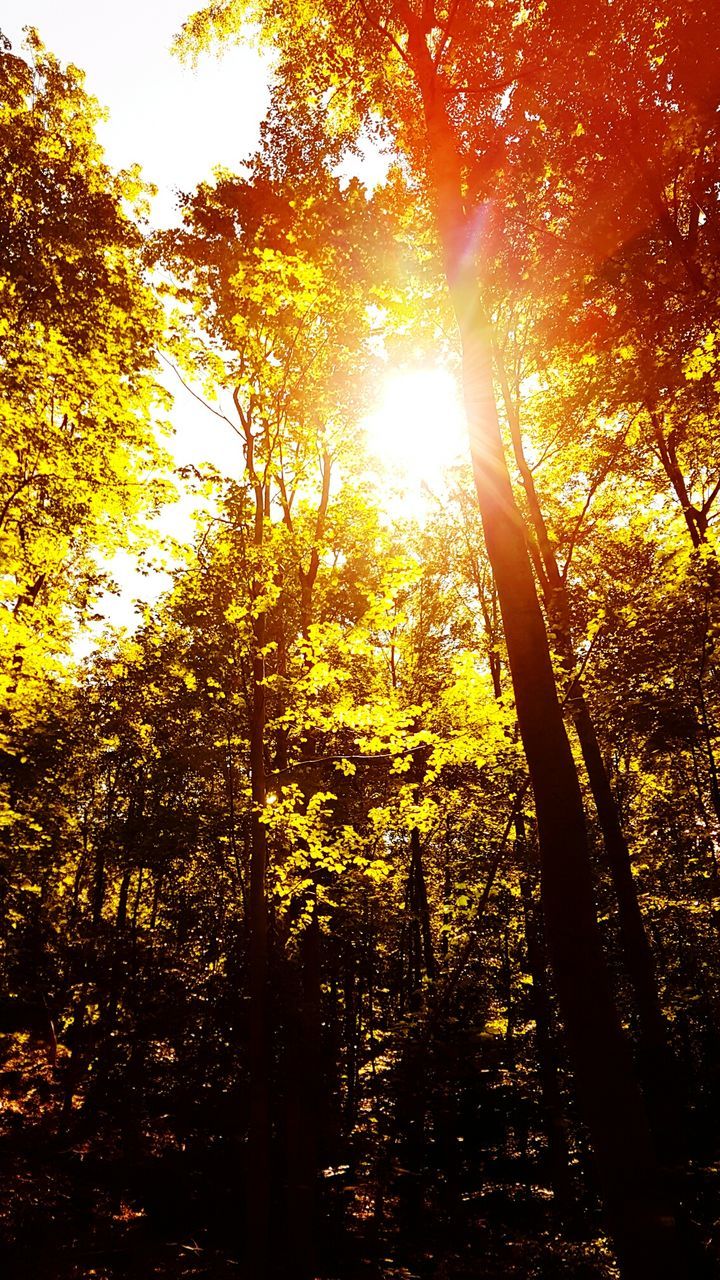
(78, 395)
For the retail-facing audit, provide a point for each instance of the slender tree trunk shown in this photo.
(98, 892)
(643, 1228)
(419, 906)
(708, 740)
(121, 917)
(310, 1098)
(695, 519)
(421, 953)
(259, 1136)
(155, 909)
(304, 1111)
(351, 1032)
(658, 1067)
(117, 956)
(657, 1062)
(75, 1037)
(258, 1171)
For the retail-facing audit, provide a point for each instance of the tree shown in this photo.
(78, 393)
(278, 286)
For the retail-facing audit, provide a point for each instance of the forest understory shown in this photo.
(136, 1194)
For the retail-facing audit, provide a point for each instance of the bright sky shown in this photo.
(418, 430)
(176, 121)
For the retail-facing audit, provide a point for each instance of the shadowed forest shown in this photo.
(360, 895)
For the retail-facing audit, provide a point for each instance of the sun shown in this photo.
(418, 429)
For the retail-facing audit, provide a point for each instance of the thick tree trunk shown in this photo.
(642, 1227)
(548, 1073)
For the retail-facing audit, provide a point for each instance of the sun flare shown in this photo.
(418, 428)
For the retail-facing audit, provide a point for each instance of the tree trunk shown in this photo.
(304, 1106)
(308, 1099)
(547, 1058)
(642, 1226)
(420, 953)
(258, 1170)
(657, 1064)
(419, 905)
(696, 519)
(351, 1029)
(658, 1068)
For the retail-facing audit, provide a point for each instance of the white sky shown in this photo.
(176, 121)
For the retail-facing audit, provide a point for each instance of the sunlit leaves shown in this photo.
(79, 404)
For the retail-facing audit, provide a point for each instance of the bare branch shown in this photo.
(200, 399)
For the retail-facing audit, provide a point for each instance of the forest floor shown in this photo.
(77, 1205)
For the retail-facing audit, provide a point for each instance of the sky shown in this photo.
(174, 120)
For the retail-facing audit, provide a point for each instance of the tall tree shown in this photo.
(79, 400)
(277, 284)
